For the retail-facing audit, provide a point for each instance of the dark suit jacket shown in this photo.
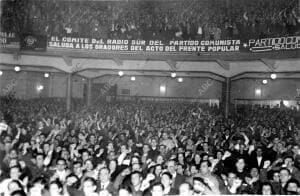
(136, 193)
(179, 179)
(173, 191)
(253, 162)
(110, 188)
(74, 192)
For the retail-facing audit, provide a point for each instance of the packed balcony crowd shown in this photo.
(164, 20)
(136, 148)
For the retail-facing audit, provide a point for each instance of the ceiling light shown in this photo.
(17, 68)
(265, 81)
(273, 76)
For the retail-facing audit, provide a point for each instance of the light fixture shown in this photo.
(132, 78)
(162, 88)
(173, 74)
(121, 73)
(258, 92)
(1, 73)
(39, 87)
(265, 81)
(46, 75)
(180, 79)
(17, 68)
(286, 103)
(273, 76)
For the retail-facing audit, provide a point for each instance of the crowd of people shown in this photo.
(164, 20)
(145, 148)
(136, 148)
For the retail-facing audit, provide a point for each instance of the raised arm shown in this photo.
(17, 136)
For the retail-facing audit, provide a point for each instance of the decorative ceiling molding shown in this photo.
(224, 64)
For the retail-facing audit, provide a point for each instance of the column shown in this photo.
(69, 92)
(50, 87)
(226, 88)
(89, 92)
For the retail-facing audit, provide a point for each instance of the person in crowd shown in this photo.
(61, 171)
(78, 169)
(125, 191)
(14, 185)
(292, 187)
(285, 176)
(38, 187)
(39, 168)
(266, 189)
(14, 176)
(240, 166)
(185, 189)
(89, 187)
(166, 180)
(56, 189)
(105, 185)
(157, 189)
(209, 178)
(176, 178)
(232, 183)
(289, 164)
(201, 187)
(73, 184)
(256, 158)
(136, 183)
(174, 21)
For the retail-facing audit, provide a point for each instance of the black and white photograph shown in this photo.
(149, 97)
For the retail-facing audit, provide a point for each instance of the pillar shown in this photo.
(69, 92)
(226, 89)
(89, 92)
(50, 88)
